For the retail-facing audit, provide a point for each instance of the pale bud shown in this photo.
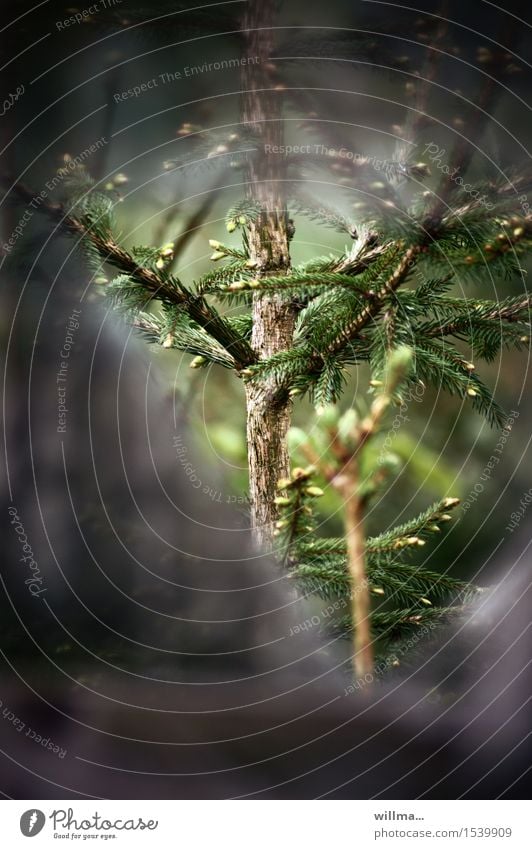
(314, 491)
(198, 362)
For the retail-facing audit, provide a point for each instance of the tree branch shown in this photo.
(169, 290)
(373, 308)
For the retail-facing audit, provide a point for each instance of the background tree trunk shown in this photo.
(268, 407)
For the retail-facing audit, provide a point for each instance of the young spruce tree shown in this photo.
(388, 301)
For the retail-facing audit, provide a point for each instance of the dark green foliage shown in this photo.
(406, 594)
(407, 279)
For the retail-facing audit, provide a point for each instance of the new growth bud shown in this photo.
(198, 362)
(284, 483)
(449, 503)
(300, 474)
(398, 366)
(314, 491)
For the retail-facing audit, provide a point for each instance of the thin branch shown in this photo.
(369, 312)
(169, 290)
(507, 313)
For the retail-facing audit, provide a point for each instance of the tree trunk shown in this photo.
(268, 406)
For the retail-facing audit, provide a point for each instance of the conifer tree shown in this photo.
(389, 301)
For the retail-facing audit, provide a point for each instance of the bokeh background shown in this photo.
(348, 75)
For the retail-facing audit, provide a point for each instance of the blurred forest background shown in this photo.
(333, 95)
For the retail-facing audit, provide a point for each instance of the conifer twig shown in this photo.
(165, 289)
(343, 474)
(373, 308)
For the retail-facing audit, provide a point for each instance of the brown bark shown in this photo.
(268, 404)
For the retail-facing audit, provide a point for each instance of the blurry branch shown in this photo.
(346, 439)
(167, 288)
(466, 146)
(417, 117)
(194, 222)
